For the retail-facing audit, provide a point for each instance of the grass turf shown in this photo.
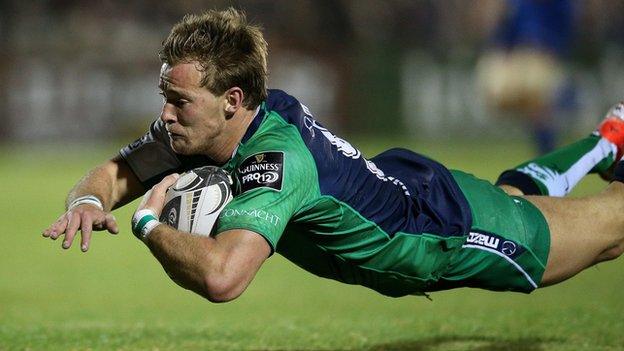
(117, 297)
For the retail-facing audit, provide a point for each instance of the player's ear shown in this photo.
(233, 100)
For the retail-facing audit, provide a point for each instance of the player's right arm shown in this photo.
(112, 184)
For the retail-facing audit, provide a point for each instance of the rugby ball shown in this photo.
(194, 202)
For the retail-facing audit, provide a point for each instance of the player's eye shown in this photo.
(174, 102)
(179, 102)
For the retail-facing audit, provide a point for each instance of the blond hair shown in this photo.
(230, 51)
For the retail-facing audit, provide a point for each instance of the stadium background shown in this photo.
(79, 80)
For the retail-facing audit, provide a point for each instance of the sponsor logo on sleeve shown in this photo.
(146, 138)
(255, 213)
(494, 242)
(262, 170)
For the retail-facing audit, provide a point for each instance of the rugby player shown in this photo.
(398, 223)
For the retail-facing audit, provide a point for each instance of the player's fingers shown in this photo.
(166, 183)
(72, 228)
(99, 221)
(58, 227)
(86, 227)
(46, 232)
(111, 224)
(156, 199)
(146, 197)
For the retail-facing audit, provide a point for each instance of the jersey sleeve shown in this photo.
(151, 157)
(272, 186)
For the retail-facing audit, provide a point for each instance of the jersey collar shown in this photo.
(253, 127)
(255, 123)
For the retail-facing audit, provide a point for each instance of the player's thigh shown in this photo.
(580, 230)
(563, 235)
(507, 247)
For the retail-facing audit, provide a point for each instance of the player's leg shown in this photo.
(583, 231)
(556, 173)
(522, 243)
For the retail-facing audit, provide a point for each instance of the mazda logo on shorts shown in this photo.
(508, 248)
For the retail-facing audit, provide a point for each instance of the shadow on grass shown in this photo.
(472, 343)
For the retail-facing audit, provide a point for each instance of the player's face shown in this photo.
(194, 117)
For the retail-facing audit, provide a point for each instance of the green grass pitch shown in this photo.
(116, 296)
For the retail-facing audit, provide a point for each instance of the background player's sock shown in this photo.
(556, 173)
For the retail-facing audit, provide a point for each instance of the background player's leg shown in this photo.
(584, 231)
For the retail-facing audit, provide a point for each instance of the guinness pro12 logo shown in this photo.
(262, 170)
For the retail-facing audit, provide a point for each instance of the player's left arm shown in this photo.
(219, 269)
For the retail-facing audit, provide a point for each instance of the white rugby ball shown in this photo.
(194, 202)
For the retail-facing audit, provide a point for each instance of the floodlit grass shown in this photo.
(116, 297)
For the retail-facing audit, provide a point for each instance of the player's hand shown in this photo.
(154, 199)
(85, 217)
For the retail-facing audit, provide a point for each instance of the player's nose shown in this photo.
(168, 114)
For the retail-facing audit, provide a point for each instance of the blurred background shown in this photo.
(419, 69)
(480, 85)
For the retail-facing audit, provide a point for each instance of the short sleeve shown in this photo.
(151, 155)
(272, 185)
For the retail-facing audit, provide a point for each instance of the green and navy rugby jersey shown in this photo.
(390, 223)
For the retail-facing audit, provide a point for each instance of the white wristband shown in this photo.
(143, 222)
(87, 199)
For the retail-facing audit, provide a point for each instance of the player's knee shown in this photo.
(612, 253)
(517, 183)
(511, 190)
